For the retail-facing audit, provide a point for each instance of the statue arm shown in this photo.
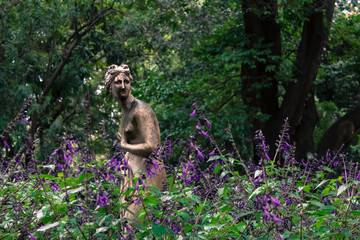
(148, 125)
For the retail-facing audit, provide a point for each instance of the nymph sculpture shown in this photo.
(139, 134)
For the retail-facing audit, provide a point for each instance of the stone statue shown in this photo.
(139, 133)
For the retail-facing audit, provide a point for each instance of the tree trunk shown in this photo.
(304, 132)
(259, 85)
(341, 132)
(313, 39)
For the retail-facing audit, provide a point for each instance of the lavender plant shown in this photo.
(73, 196)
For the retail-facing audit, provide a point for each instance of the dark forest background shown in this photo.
(248, 64)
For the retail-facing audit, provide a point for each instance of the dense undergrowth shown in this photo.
(209, 194)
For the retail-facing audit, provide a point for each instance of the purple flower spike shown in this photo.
(169, 147)
(176, 229)
(6, 145)
(144, 185)
(65, 158)
(208, 123)
(192, 115)
(278, 220)
(71, 160)
(102, 200)
(26, 121)
(137, 185)
(275, 201)
(55, 187)
(150, 172)
(32, 237)
(201, 156)
(118, 167)
(128, 228)
(126, 163)
(137, 201)
(155, 165)
(266, 212)
(204, 134)
(98, 199)
(212, 153)
(60, 167)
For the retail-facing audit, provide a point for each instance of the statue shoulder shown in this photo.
(143, 108)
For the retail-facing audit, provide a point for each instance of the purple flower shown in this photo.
(275, 201)
(82, 209)
(176, 229)
(64, 157)
(157, 221)
(128, 229)
(137, 185)
(267, 157)
(212, 153)
(169, 147)
(137, 201)
(204, 134)
(278, 220)
(150, 172)
(192, 115)
(266, 212)
(32, 237)
(71, 160)
(126, 163)
(26, 121)
(89, 192)
(201, 156)
(102, 200)
(190, 165)
(286, 146)
(111, 176)
(118, 167)
(155, 165)
(55, 187)
(60, 167)
(144, 185)
(208, 123)
(6, 145)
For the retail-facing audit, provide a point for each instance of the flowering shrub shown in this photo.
(209, 194)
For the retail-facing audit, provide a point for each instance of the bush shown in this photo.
(74, 196)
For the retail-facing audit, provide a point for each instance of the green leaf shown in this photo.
(158, 229)
(188, 228)
(342, 188)
(321, 183)
(185, 216)
(257, 191)
(217, 168)
(355, 213)
(47, 176)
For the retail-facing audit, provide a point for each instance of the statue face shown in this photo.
(121, 87)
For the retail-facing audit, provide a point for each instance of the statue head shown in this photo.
(113, 71)
(118, 80)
